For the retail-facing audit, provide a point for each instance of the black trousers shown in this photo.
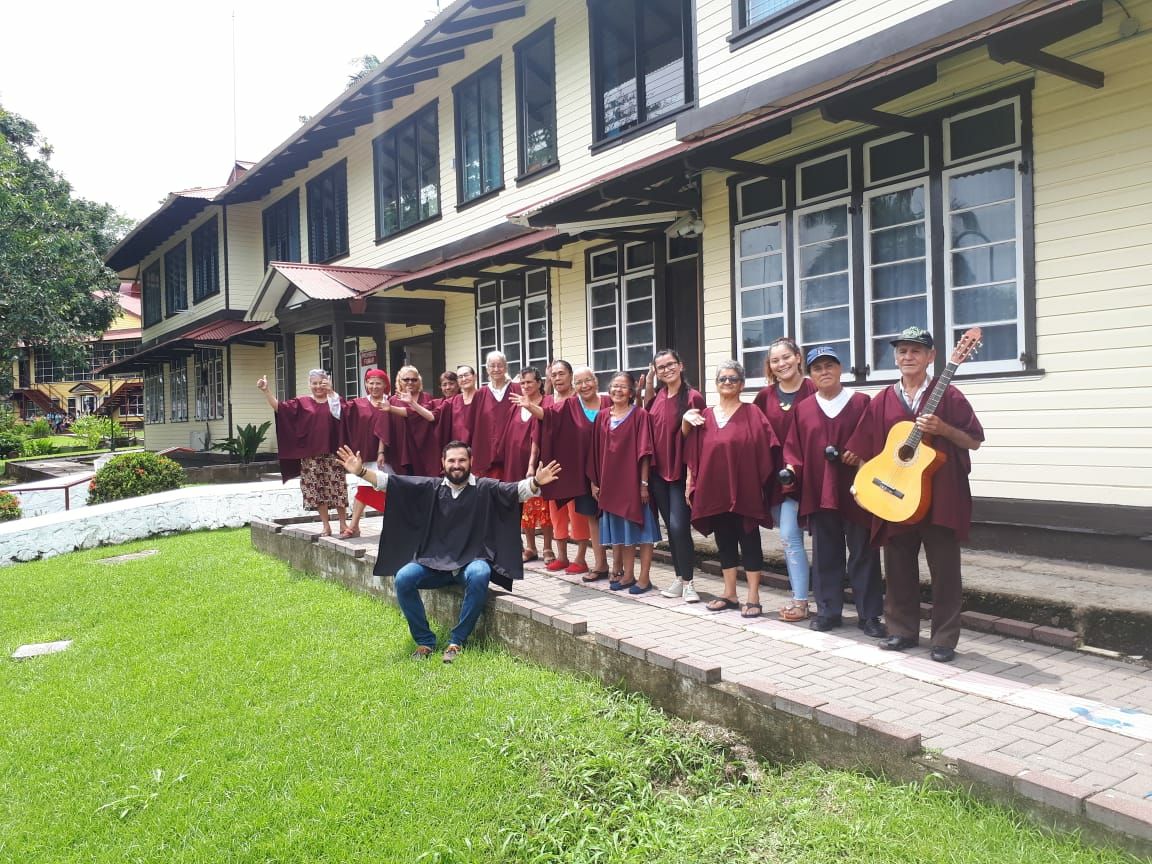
(737, 546)
(831, 535)
(669, 498)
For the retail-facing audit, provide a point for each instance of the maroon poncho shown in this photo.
(490, 421)
(768, 401)
(951, 496)
(825, 485)
(667, 439)
(732, 468)
(366, 428)
(456, 419)
(415, 440)
(519, 435)
(614, 462)
(567, 438)
(304, 428)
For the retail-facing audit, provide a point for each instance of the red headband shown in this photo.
(376, 373)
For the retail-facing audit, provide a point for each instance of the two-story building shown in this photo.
(596, 180)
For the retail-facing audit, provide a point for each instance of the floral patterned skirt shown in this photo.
(534, 514)
(322, 482)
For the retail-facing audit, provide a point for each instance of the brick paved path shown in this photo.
(1075, 716)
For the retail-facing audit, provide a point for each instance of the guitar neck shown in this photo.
(933, 402)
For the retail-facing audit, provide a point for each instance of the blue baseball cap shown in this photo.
(822, 351)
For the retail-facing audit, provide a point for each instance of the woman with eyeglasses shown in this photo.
(733, 455)
(414, 416)
(787, 387)
(449, 385)
(522, 455)
(666, 406)
(567, 439)
(368, 431)
(619, 468)
(308, 433)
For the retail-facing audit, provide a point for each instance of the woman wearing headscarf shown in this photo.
(367, 431)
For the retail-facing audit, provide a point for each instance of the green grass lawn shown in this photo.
(218, 707)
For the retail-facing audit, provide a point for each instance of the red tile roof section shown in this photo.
(333, 283)
(513, 245)
(218, 331)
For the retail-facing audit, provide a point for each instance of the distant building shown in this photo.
(47, 387)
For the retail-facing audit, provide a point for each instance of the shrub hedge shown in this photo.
(9, 506)
(134, 474)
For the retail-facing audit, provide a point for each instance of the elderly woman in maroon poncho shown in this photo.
(458, 412)
(522, 455)
(308, 433)
(618, 470)
(733, 457)
(367, 431)
(415, 440)
(494, 407)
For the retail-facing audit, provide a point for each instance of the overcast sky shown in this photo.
(135, 97)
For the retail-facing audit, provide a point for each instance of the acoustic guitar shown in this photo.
(896, 484)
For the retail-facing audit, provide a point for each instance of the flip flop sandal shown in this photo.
(747, 612)
(348, 534)
(722, 604)
(594, 576)
(528, 555)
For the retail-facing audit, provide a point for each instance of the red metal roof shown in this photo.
(218, 331)
(332, 283)
(533, 238)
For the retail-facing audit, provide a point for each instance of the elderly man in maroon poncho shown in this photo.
(493, 408)
(955, 431)
(816, 436)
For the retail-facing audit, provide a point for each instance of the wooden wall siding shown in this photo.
(245, 254)
(248, 404)
(723, 71)
(307, 357)
(195, 311)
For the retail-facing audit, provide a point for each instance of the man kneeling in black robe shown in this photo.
(452, 530)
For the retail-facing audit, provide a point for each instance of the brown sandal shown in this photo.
(797, 610)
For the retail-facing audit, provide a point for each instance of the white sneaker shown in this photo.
(688, 592)
(674, 590)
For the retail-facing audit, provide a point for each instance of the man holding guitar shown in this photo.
(926, 486)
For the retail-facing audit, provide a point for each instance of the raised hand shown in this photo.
(545, 474)
(262, 384)
(352, 462)
(693, 417)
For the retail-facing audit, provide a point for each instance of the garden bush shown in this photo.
(134, 474)
(9, 506)
(92, 430)
(10, 442)
(39, 428)
(37, 447)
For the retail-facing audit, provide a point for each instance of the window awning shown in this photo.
(212, 333)
(288, 284)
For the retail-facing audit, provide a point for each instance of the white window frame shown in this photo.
(280, 363)
(614, 284)
(975, 365)
(351, 361)
(869, 146)
(983, 109)
(828, 197)
(869, 330)
(154, 413)
(755, 377)
(758, 214)
(515, 296)
(620, 307)
(178, 372)
(534, 296)
(849, 362)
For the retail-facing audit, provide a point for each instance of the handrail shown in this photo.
(67, 487)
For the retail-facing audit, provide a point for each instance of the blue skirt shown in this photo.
(616, 530)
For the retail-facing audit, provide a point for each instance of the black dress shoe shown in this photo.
(898, 643)
(825, 622)
(943, 655)
(873, 627)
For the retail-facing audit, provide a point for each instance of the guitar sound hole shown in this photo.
(906, 453)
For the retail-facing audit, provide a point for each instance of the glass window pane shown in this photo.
(984, 225)
(492, 169)
(820, 258)
(639, 356)
(755, 11)
(640, 334)
(987, 303)
(983, 265)
(827, 291)
(898, 244)
(636, 288)
(826, 326)
(614, 46)
(895, 158)
(538, 102)
(759, 334)
(899, 280)
(999, 342)
(468, 120)
(824, 224)
(760, 271)
(894, 316)
(409, 180)
(762, 301)
(603, 294)
(760, 196)
(995, 183)
(639, 310)
(602, 339)
(486, 292)
(604, 263)
(663, 57)
(896, 208)
(429, 156)
(536, 282)
(826, 177)
(537, 329)
(993, 129)
(761, 239)
(641, 255)
(604, 316)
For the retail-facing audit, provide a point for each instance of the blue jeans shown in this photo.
(413, 577)
(786, 517)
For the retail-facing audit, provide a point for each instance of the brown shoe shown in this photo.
(422, 652)
(451, 653)
(797, 610)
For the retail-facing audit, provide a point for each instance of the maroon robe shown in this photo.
(781, 419)
(567, 438)
(667, 439)
(614, 462)
(367, 429)
(456, 419)
(519, 436)
(732, 468)
(825, 485)
(416, 443)
(491, 419)
(951, 496)
(304, 428)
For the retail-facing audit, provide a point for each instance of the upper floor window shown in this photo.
(536, 101)
(176, 280)
(479, 134)
(282, 229)
(151, 300)
(641, 61)
(205, 261)
(754, 18)
(407, 167)
(328, 214)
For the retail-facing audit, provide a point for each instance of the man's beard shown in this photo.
(458, 476)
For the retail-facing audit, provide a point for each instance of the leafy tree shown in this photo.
(55, 292)
(365, 66)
